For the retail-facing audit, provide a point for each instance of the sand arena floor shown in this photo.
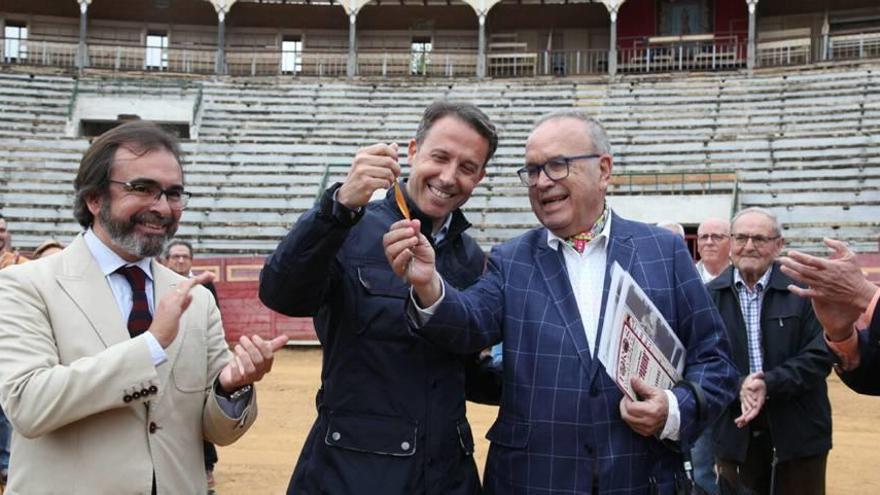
(261, 462)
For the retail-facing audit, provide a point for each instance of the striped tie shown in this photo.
(139, 319)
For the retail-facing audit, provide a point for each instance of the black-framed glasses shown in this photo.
(715, 237)
(555, 169)
(147, 190)
(758, 241)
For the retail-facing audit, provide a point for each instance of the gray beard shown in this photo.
(123, 234)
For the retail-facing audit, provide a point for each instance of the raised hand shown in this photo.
(252, 359)
(412, 258)
(374, 167)
(647, 416)
(166, 321)
(838, 289)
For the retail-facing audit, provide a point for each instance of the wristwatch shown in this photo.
(235, 394)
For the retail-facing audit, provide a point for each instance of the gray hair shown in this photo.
(596, 130)
(468, 113)
(777, 227)
(674, 227)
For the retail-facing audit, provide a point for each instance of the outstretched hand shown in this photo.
(251, 360)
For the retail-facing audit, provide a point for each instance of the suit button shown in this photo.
(588, 448)
(335, 436)
(153, 427)
(144, 392)
(135, 395)
(404, 446)
(126, 399)
(153, 389)
(594, 391)
(433, 383)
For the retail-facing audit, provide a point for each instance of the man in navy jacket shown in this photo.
(391, 408)
(563, 425)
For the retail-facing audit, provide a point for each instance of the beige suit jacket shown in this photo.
(67, 366)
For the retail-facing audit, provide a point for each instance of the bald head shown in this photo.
(713, 244)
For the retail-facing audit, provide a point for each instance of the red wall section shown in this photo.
(732, 16)
(237, 284)
(636, 19)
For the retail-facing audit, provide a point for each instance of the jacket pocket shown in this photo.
(190, 369)
(372, 434)
(381, 301)
(509, 434)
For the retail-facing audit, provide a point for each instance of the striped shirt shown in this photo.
(750, 301)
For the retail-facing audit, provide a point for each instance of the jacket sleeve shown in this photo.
(809, 366)
(466, 322)
(708, 363)
(217, 427)
(297, 277)
(483, 380)
(39, 394)
(865, 379)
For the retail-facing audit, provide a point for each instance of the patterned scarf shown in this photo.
(579, 241)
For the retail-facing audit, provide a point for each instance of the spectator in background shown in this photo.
(178, 257)
(713, 244)
(776, 437)
(674, 227)
(845, 302)
(7, 255)
(48, 247)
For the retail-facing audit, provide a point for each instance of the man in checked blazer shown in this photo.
(98, 405)
(563, 426)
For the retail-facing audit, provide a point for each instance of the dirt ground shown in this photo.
(261, 462)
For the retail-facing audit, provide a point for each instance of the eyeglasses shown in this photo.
(714, 237)
(148, 190)
(758, 241)
(555, 169)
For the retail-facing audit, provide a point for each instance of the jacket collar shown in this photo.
(778, 280)
(457, 225)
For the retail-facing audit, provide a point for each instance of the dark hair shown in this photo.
(467, 112)
(178, 242)
(93, 178)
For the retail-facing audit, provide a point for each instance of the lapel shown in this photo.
(84, 283)
(164, 280)
(551, 263)
(622, 250)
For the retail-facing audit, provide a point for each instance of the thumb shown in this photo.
(278, 342)
(642, 389)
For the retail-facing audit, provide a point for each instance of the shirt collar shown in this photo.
(444, 229)
(739, 283)
(554, 240)
(109, 261)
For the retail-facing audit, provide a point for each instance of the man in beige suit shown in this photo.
(112, 367)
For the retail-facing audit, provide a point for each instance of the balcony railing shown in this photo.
(657, 54)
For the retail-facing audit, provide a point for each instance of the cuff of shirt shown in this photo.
(847, 350)
(673, 419)
(422, 315)
(156, 351)
(233, 408)
(865, 320)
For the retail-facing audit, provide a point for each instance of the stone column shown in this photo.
(352, 45)
(220, 59)
(750, 60)
(612, 48)
(82, 49)
(481, 47)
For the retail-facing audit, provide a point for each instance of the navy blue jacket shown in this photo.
(796, 364)
(391, 408)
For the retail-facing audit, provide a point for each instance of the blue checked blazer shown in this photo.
(559, 429)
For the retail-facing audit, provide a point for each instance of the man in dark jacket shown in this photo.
(782, 419)
(391, 408)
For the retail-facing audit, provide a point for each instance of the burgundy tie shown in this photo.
(139, 319)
